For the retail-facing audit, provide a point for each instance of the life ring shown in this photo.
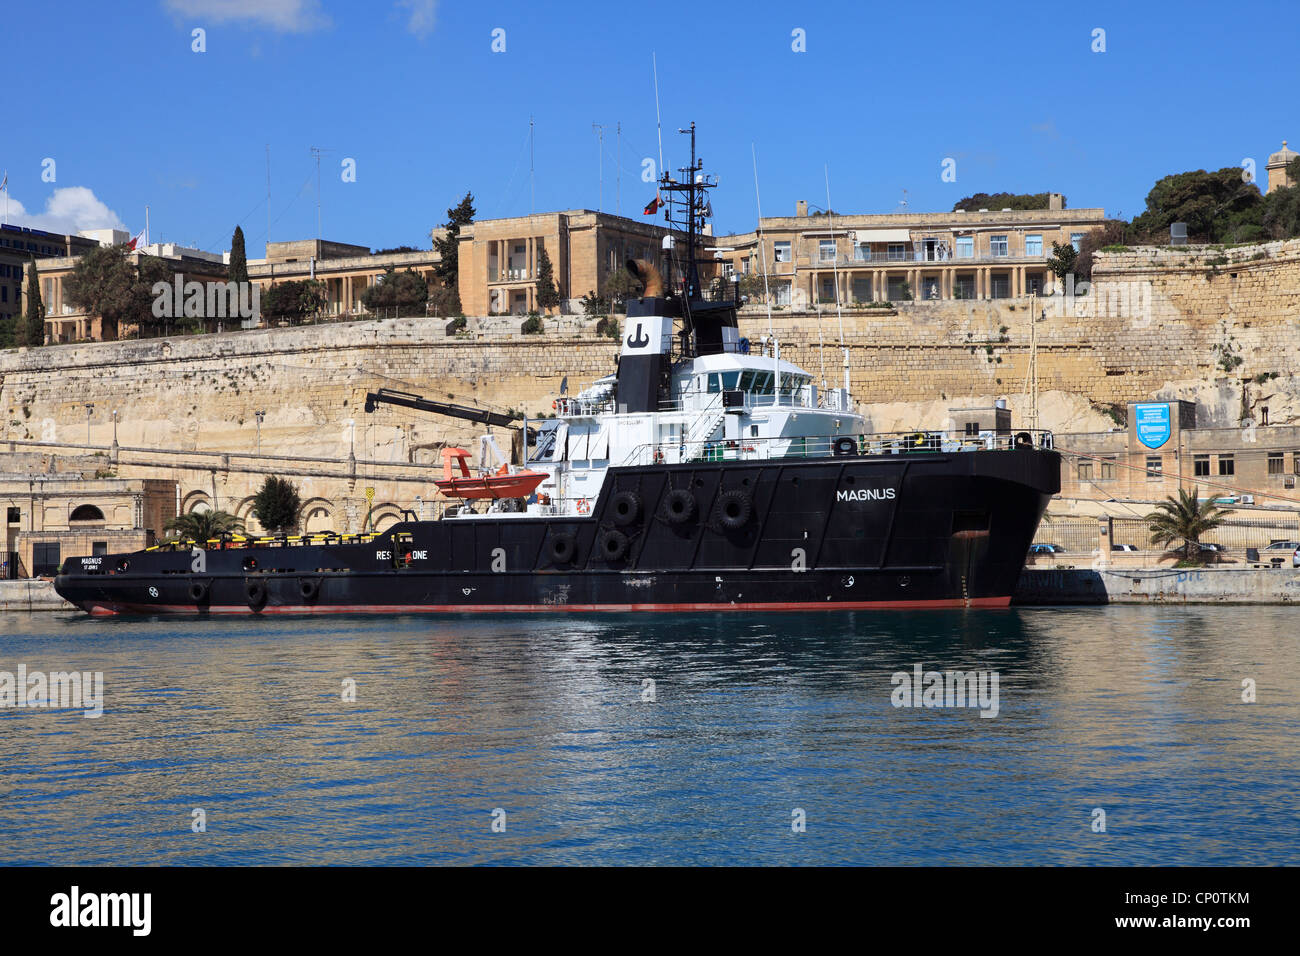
(659, 456)
(563, 548)
(679, 506)
(734, 509)
(255, 591)
(626, 507)
(583, 507)
(845, 447)
(613, 545)
(309, 588)
(199, 591)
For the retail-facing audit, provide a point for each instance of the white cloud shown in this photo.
(68, 211)
(424, 16)
(287, 16)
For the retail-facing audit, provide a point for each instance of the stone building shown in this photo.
(1278, 177)
(65, 322)
(50, 516)
(987, 254)
(498, 257)
(1162, 449)
(19, 245)
(345, 270)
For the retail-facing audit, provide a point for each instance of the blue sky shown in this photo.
(413, 92)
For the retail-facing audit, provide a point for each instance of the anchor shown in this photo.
(640, 341)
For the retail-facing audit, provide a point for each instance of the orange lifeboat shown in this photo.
(503, 484)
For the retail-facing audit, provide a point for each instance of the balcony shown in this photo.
(911, 257)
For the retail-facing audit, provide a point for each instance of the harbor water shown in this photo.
(1118, 735)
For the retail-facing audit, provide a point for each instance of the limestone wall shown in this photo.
(1158, 323)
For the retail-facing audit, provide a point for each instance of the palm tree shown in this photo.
(1185, 517)
(202, 526)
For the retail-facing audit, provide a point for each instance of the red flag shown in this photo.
(138, 241)
(652, 206)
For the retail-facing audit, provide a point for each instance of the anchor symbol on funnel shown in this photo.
(640, 341)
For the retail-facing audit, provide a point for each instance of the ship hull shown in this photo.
(888, 531)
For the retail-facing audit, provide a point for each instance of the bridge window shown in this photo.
(86, 513)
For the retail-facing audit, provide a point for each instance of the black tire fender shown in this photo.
(199, 591)
(564, 548)
(613, 545)
(679, 506)
(309, 588)
(626, 508)
(735, 508)
(255, 592)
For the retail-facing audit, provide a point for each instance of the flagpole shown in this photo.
(146, 225)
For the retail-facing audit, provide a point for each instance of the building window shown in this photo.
(965, 247)
(45, 558)
(15, 515)
(1001, 288)
(1155, 467)
(783, 293)
(826, 250)
(1295, 462)
(781, 251)
(972, 428)
(1275, 463)
(1201, 466)
(997, 245)
(1085, 471)
(1034, 245)
(86, 513)
(1227, 466)
(98, 547)
(1108, 470)
(897, 252)
(862, 252)
(1075, 239)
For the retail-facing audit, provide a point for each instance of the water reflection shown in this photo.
(641, 739)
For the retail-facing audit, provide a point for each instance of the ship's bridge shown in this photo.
(752, 380)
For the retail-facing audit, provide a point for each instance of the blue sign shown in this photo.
(1152, 424)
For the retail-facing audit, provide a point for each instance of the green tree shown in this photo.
(277, 504)
(31, 330)
(1187, 518)
(999, 201)
(1217, 207)
(1112, 232)
(1281, 215)
(105, 282)
(1062, 259)
(594, 305)
(619, 285)
(294, 300)
(548, 296)
(238, 258)
(447, 244)
(201, 526)
(405, 292)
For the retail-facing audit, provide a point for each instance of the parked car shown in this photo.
(1124, 547)
(1282, 546)
(1295, 558)
(1046, 549)
(1211, 546)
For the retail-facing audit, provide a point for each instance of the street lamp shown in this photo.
(90, 410)
(259, 416)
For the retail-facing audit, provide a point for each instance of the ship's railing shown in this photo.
(574, 407)
(841, 446)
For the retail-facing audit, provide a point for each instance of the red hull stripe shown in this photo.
(551, 608)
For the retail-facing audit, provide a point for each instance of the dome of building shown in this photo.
(1282, 156)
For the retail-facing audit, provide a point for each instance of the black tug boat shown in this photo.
(701, 476)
